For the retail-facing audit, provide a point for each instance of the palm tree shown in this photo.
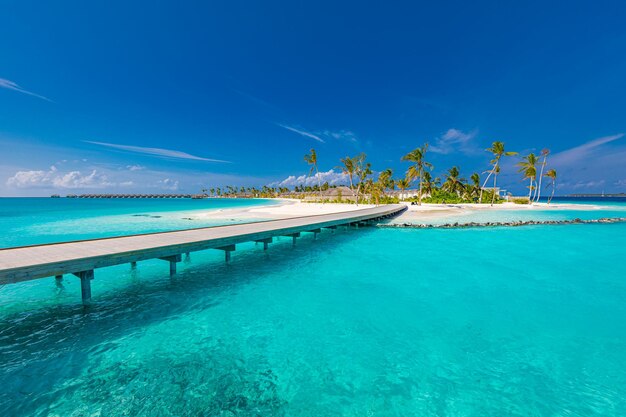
(528, 167)
(417, 169)
(427, 184)
(362, 170)
(403, 184)
(545, 152)
(474, 187)
(385, 179)
(497, 149)
(311, 159)
(552, 175)
(453, 183)
(348, 169)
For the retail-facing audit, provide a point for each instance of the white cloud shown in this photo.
(135, 167)
(75, 179)
(165, 153)
(581, 152)
(303, 133)
(10, 85)
(53, 179)
(330, 176)
(168, 184)
(29, 179)
(454, 140)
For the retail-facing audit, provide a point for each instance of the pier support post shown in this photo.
(315, 232)
(265, 242)
(227, 250)
(85, 285)
(332, 228)
(173, 260)
(58, 278)
(293, 237)
(133, 265)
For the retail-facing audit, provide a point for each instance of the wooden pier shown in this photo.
(81, 258)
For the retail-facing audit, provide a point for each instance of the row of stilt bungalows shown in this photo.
(132, 196)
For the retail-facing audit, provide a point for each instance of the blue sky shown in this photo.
(172, 96)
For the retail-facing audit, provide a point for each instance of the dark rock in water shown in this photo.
(602, 220)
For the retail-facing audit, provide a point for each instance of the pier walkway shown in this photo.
(81, 258)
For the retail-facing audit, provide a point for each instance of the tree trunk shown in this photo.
(480, 197)
(541, 177)
(552, 194)
(419, 196)
(530, 191)
(493, 169)
(493, 195)
(319, 185)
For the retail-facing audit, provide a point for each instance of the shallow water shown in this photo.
(44, 220)
(474, 322)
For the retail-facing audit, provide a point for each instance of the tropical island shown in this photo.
(417, 185)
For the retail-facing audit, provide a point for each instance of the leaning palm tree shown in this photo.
(528, 167)
(348, 168)
(552, 175)
(545, 152)
(416, 156)
(311, 159)
(497, 149)
(362, 170)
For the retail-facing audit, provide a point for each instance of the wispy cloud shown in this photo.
(455, 140)
(583, 151)
(10, 85)
(341, 135)
(164, 153)
(302, 132)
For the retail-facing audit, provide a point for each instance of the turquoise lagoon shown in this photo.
(527, 321)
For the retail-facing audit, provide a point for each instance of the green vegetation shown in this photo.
(519, 200)
(366, 187)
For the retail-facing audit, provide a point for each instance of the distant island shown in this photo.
(598, 195)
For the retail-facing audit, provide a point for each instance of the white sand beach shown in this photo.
(286, 208)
